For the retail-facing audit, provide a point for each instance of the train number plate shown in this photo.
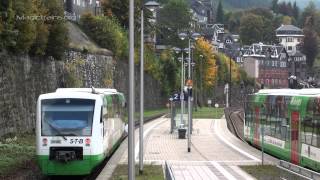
(76, 141)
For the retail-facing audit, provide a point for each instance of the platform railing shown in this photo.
(298, 170)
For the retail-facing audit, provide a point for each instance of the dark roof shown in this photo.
(288, 28)
(298, 54)
(152, 3)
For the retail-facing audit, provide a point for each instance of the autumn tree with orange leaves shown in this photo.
(205, 69)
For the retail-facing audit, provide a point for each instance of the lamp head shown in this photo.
(183, 36)
(195, 36)
(176, 50)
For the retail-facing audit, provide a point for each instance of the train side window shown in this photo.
(316, 123)
(250, 111)
(267, 112)
(308, 124)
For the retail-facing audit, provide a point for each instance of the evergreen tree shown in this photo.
(274, 6)
(8, 34)
(40, 44)
(25, 27)
(174, 17)
(220, 13)
(310, 42)
(308, 11)
(296, 11)
(58, 32)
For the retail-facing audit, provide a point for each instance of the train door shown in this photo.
(295, 137)
(256, 137)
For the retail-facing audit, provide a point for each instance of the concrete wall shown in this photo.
(251, 66)
(23, 79)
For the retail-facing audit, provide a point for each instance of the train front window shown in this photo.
(67, 117)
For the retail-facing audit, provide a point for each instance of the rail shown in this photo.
(168, 172)
(232, 122)
(100, 167)
(298, 170)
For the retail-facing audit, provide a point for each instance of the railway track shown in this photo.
(235, 122)
(99, 168)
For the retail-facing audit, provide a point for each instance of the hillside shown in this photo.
(244, 4)
(304, 3)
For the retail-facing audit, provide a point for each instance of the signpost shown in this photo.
(216, 105)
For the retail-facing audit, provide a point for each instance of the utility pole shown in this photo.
(131, 163)
(141, 94)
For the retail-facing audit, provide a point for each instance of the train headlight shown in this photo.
(88, 141)
(44, 142)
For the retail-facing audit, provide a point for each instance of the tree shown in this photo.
(287, 20)
(295, 11)
(169, 72)
(206, 69)
(107, 33)
(310, 42)
(42, 34)
(174, 17)
(58, 33)
(251, 27)
(274, 6)
(8, 35)
(220, 13)
(308, 11)
(120, 10)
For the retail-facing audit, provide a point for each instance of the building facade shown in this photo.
(273, 69)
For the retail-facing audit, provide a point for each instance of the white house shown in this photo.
(289, 36)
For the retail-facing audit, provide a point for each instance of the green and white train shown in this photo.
(289, 120)
(77, 128)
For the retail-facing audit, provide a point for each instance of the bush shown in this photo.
(107, 33)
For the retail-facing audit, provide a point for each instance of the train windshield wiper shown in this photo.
(58, 131)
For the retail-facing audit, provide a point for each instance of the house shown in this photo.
(290, 37)
(77, 7)
(273, 69)
(202, 12)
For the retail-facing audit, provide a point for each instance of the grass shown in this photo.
(16, 151)
(154, 112)
(266, 172)
(148, 113)
(208, 113)
(150, 172)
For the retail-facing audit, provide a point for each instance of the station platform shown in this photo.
(215, 152)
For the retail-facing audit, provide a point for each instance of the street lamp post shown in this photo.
(230, 80)
(201, 70)
(141, 94)
(194, 36)
(131, 172)
(181, 59)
